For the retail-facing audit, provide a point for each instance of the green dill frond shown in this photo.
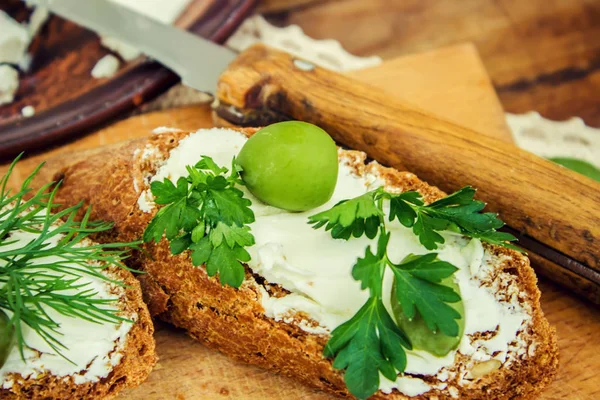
(47, 263)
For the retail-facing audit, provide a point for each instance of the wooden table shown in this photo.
(542, 55)
(451, 82)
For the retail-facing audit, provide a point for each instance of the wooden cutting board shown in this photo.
(451, 82)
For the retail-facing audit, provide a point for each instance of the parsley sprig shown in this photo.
(371, 343)
(458, 212)
(46, 272)
(206, 213)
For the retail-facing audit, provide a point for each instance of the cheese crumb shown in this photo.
(37, 20)
(28, 111)
(9, 83)
(106, 67)
(13, 40)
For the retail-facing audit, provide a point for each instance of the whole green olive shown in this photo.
(291, 165)
(420, 335)
(7, 337)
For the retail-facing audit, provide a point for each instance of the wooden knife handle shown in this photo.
(552, 206)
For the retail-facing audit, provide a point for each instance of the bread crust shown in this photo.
(232, 320)
(138, 358)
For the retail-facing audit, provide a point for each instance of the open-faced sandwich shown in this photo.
(73, 324)
(285, 252)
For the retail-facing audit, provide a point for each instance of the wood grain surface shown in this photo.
(542, 55)
(188, 370)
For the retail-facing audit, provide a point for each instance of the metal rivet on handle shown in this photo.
(304, 65)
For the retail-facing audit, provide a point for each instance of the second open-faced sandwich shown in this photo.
(72, 321)
(350, 277)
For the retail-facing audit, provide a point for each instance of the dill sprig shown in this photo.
(41, 275)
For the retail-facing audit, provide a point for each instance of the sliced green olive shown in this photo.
(7, 337)
(291, 165)
(419, 334)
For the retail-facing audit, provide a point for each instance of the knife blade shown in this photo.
(198, 61)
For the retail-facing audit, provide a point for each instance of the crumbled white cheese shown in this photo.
(106, 67)
(37, 20)
(14, 39)
(28, 111)
(9, 83)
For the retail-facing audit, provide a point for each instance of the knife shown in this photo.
(183, 52)
(554, 212)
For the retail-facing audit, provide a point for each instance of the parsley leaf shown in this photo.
(369, 270)
(458, 212)
(418, 288)
(497, 238)
(371, 342)
(222, 258)
(165, 192)
(400, 208)
(167, 219)
(208, 215)
(207, 163)
(232, 235)
(353, 217)
(227, 205)
(368, 343)
(426, 227)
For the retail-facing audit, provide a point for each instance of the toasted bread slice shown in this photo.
(104, 358)
(234, 321)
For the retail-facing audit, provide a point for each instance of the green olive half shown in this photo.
(291, 165)
(419, 334)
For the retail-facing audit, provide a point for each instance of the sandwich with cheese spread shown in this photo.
(282, 251)
(73, 323)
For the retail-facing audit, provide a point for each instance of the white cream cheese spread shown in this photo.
(316, 269)
(93, 349)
